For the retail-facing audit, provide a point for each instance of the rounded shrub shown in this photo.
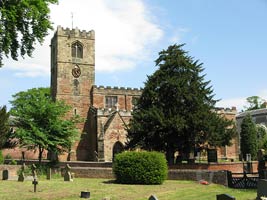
(148, 168)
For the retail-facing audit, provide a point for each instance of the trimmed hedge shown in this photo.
(149, 168)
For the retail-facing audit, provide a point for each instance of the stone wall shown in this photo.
(234, 167)
(218, 177)
(12, 170)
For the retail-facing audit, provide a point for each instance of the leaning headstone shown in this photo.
(224, 197)
(5, 174)
(67, 175)
(48, 174)
(34, 174)
(21, 174)
(152, 197)
(262, 189)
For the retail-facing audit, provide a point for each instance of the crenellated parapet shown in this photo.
(76, 33)
(221, 110)
(108, 90)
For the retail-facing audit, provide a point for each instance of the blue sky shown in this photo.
(228, 37)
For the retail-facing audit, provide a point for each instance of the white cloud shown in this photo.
(125, 34)
(240, 102)
(124, 30)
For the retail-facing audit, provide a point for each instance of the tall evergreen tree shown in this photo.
(175, 110)
(4, 126)
(248, 136)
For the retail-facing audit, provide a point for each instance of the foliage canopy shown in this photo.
(176, 109)
(41, 122)
(255, 102)
(22, 24)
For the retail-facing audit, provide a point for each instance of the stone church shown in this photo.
(106, 111)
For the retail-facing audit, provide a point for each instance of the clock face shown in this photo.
(76, 71)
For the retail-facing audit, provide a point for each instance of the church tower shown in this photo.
(72, 77)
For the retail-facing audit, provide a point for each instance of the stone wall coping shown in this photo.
(107, 112)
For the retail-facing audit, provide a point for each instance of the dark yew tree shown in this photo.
(4, 126)
(248, 135)
(22, 24)
(176, 109)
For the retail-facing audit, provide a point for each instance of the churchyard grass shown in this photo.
(101, 188)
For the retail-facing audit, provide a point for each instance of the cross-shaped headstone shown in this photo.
(35, 182)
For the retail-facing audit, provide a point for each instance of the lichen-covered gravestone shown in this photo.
(21, 173)
(48, 174)
(67, 175)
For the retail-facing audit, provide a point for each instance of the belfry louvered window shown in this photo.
(77, 50)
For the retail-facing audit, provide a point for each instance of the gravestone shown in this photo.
(5, 174)
(261, 164)
(21, 174)
(224, 197)
(67, 175)
(34, 174)
(212, 155)
(262, 189)
(152, 197)
(48, 174)
(35, 183)
(85, 195)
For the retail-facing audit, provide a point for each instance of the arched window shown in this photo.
(77, 50)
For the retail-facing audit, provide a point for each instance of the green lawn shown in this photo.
(100, 188)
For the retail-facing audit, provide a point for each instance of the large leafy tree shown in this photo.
(248, 134)
(255, 102)
(4, 126)
(22, 24)
(41, 123)
(176, 108)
